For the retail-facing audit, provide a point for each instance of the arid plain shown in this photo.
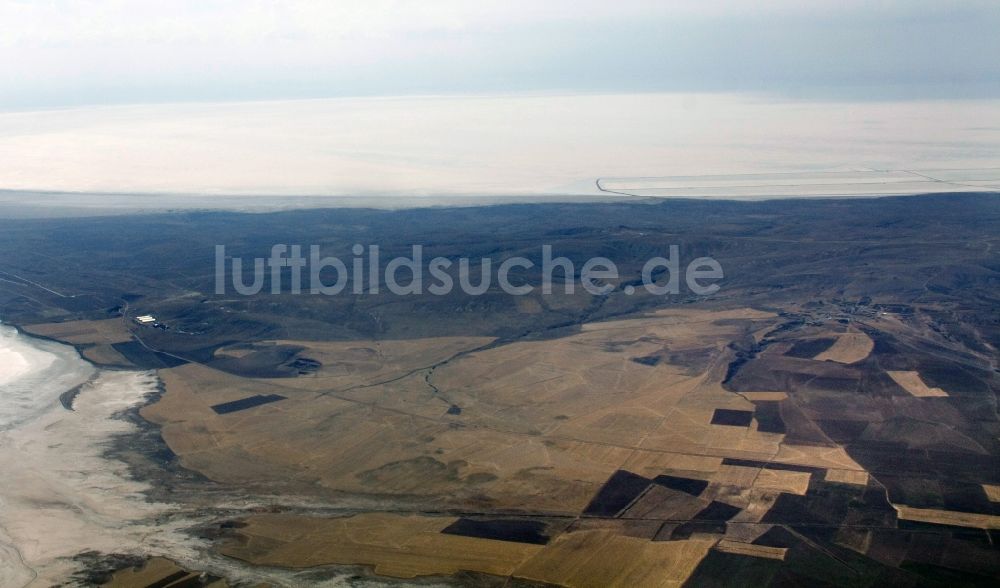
(829, 416)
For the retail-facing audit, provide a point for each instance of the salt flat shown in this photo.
(426, 148)
(12, 365)
(59, 494)
(32, 376)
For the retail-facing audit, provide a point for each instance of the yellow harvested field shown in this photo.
(394, 545)
(763, 479)
(858, 478)
(849, 348)
(316, 443)
(739, 476)
(816, 456)
(783, 481)
(602, 558)
(105, 331)
(751, 550)
(947, 517)
(992, 492)
(913, 384)
(413, 546)
(680, 323)
(534, 426)
(653, 463)
(541, 424)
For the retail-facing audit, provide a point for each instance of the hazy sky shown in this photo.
(63, 53)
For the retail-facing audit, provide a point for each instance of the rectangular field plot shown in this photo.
(733, 418)
(245, 403)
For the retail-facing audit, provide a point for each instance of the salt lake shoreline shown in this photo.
(177, 510)
(137, 437)
(146, 440)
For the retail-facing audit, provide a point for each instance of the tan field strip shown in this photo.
(602, 558)
(763, 396)
(849, 348)
(992, 492)
(751, 550)
(947, 517)
(855, 477)
(914, 385)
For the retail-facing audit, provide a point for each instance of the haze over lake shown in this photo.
(489, 145)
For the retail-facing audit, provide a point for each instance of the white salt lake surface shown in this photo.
(59, 495)
(426, 148)
(32, 376)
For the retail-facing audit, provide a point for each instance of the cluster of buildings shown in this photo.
(148, 320)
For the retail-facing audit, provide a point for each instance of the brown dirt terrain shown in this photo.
(540, 425)
(105, 331)
(158, 571)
